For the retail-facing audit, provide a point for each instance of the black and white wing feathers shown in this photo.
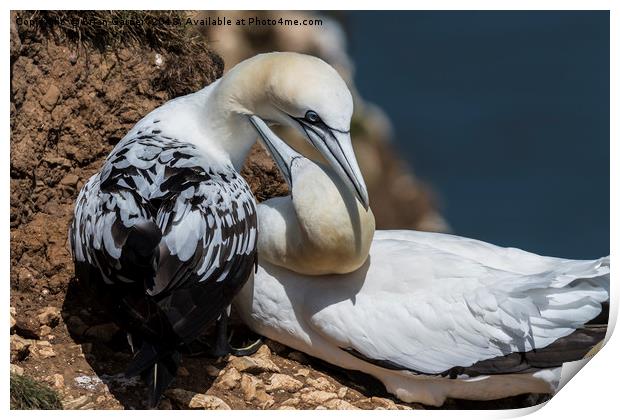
(162, 220)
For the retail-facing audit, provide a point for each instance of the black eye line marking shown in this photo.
(303, 122)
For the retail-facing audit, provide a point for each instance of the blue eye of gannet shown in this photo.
(312, 117)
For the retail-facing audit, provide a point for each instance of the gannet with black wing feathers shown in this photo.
(430, 315)
(166, 231)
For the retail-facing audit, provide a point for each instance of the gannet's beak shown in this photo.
(336, 147)
(282, 153)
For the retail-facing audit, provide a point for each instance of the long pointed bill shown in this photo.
(336, 147)
(282, 153)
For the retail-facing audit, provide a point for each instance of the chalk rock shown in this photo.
(45, 330)
(248, 386)
(79, 403)
(322, 384)
(57, 380)
(281, 382)
(339, 405)
(13, 313)
(43, 350)
(384, 403)
(263, 399)
(254, 365)
(230, 379)
(263, 352)
(317, 397)
(49, 316)
(194, 400)
(20, 348)
(16, 370)
(291, 402)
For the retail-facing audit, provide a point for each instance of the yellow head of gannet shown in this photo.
(321, 228)
(290, 89)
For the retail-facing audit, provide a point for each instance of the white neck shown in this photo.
(231, 100)
(322, 229)
(215, 118)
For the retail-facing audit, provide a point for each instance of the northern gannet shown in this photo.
(430, 315)
(324, 229)
(166, 232)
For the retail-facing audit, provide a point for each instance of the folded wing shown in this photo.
(437, 306)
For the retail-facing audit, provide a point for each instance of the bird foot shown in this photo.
(246, 351)
(202, 348)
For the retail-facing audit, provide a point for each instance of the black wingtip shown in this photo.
(157, 366)
(144, 359)
(161, 376)
(573, 347)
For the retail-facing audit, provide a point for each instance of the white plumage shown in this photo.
(426, 321)
(431, 315)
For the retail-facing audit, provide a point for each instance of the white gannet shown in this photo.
(323, 230)
(430, 315)
(165, 233)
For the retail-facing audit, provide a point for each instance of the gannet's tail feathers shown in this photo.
(158, 367)
(566, 349)
(571, 315)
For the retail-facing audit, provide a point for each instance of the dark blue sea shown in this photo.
(504, 114)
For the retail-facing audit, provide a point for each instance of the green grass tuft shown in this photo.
(27, 394)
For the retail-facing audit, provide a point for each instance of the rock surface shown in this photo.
(254, 365)
(317, 397)
(336, 404)
(230, 379)
(16, 370)
(79, 403)
(281, 382)
(196, 400)
(49, 316)
(51, 97)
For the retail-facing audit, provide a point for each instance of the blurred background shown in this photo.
(491, 125)
(505, 114)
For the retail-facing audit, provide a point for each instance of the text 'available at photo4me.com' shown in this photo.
(164, 20)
